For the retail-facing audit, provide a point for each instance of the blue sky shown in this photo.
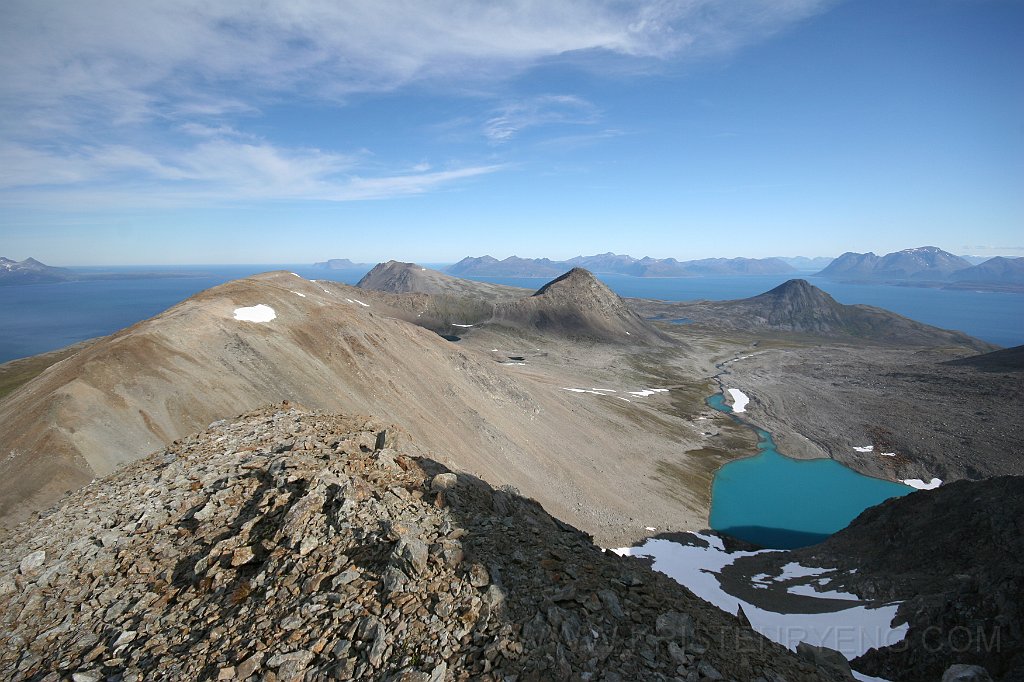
(189, 133)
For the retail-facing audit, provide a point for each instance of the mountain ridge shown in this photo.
(611, 263)
(926, 263)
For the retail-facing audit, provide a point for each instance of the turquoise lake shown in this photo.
(775, 501)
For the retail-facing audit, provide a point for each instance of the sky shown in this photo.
(243, 132)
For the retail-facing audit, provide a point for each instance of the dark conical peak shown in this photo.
(798, 292)
(794, 287)
(575, 279)
(797, 287)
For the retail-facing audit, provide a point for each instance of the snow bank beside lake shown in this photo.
(256, 313)
(739, 400)
(921, 485)
(851, 631)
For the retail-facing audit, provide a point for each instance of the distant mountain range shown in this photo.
(611, 263)
(927, 265)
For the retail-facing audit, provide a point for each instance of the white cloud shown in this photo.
(177, 57)
(99, 94)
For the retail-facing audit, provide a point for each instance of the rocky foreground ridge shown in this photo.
(289, 545)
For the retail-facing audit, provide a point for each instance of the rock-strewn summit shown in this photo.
(578, 305)
(285, 545)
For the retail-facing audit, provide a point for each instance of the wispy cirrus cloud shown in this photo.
(512, 118)
(210, 172)
(100, 93)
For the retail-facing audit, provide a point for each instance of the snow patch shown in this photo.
(809, 591)
(852, 631)
(795, 570)
(739, 400)
(921, 485)
(887, 454)
(594, 391)
(256, 313)
(647, 391)
(297, 293)
(297, 275)
(464, 326)
(864, 448)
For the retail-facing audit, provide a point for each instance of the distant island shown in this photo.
(341, 264)
(928, 266)
(31, 271)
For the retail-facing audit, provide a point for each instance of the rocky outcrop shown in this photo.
(287, 545)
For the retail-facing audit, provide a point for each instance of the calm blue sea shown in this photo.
(43, 317)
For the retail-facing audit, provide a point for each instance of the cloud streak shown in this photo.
(210, 172)
(91, 92)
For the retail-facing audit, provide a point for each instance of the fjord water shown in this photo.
(42, 317)
(778, 502)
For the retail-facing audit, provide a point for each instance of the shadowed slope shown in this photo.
(1005, 360)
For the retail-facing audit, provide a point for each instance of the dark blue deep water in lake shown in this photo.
(42, 317)
(778, 502)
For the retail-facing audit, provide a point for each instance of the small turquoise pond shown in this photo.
(774, 501)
